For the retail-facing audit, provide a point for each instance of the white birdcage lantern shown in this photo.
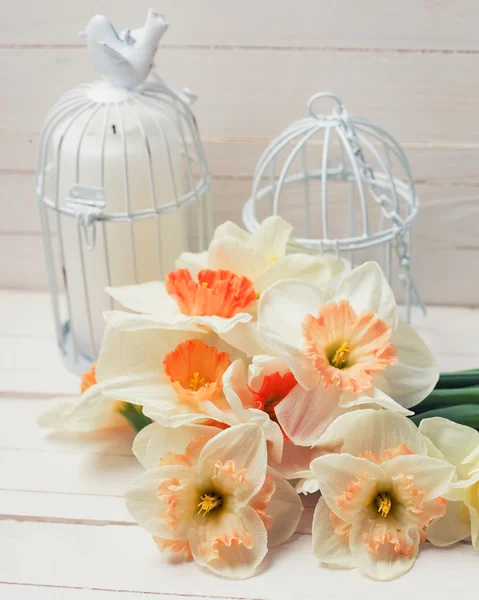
(346, 186)
(122, 183)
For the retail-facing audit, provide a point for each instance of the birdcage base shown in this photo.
(76, 362)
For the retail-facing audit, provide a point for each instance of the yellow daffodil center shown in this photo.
(209, 502)
(197, 382)
(340, 357)
(383, 502)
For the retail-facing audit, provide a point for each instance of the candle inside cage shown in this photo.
(105, 149)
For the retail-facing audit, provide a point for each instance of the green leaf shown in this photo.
(448, 397)
(133, 413)
(465, 414)
(458, 379)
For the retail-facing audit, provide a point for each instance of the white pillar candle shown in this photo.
(151, 244)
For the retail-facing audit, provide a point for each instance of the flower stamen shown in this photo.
(197, 381)
(340, 357)
(209, 502)
(383, 502)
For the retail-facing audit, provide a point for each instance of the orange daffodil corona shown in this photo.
(256, 367)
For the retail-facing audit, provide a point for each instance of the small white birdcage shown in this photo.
(122, 183)
(346, 186)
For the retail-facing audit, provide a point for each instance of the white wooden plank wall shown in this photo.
(410, 66)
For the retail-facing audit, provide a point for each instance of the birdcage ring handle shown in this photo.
(339, 110)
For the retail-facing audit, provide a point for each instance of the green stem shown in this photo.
(465, 414)
(441, 398)
(133, 413)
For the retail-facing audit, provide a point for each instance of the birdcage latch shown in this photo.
(88, 204)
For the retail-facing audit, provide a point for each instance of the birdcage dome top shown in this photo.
(343, 182)
(97, 124)
(130, 122)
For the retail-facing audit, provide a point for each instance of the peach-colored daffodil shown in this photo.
(346, 349)
(216, 500)
(379, 494)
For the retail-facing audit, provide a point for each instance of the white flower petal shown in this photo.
(283, 307)
(416, 373)
(151, 390)
(367, 289)
(142, 298)
(93, 411)
(236, 561)
(429, 474)
(328, 546)
(471, 499)
(302, 267)
(305, 415)
(247, 338)
(374, 431)
(238, 395)
(193, 261)
(371, 397)
(271, 238)
(456, 442)
(170, 413)
(307, 484)
(339, 266)
(298, 363)
(109, 363)
(230, 229)
(150, 511)
(453, 527)
(285, 507)
(55, 415)
(341, 473)
(243, 444)
(295, 460)
(175, 320)
(148, 387)
(154, 441)
(236, 256)
(263, 366)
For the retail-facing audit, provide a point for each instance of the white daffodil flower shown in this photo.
(218, 289)
(218, 301)
(379, 493)
(346, 349)
(217, 501)
(93, 410)
(261, 256)
(177, 376)
(459, 446)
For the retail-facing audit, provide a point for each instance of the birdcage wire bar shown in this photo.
(158, 120)
(380, 195)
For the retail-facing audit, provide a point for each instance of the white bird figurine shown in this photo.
(126, 60)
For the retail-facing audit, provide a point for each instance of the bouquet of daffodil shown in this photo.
(253, 376)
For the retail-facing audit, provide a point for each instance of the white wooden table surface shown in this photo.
(65, 533)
